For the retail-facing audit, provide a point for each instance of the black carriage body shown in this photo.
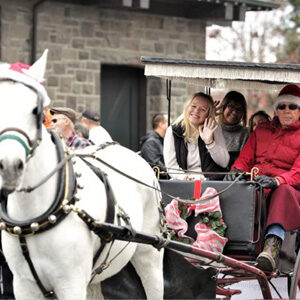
(238, 208)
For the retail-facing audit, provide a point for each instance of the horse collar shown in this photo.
(59, 209)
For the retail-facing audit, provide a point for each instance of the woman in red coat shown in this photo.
(274, 148)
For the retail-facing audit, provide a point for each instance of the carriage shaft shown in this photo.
(124, 233)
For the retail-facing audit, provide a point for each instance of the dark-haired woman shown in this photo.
(195, 141)
(233, 119)
(257, 118)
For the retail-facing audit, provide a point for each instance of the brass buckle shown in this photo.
(156, 169)
(254, 173)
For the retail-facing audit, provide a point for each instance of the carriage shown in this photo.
(242, 203)
(57, 262)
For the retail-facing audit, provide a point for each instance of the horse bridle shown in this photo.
(28, 144)
(63, 202)
(55, 213)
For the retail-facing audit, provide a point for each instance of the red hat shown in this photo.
(290, 93)
(32, 76)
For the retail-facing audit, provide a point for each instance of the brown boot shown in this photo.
(266, 260)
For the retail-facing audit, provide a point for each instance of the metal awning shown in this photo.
(223, 75)
(213, 11)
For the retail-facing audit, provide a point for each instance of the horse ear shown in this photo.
(38, 69)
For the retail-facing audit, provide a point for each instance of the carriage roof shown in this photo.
(222, 74)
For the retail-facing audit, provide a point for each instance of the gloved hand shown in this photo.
(267, 182)
(233, 176)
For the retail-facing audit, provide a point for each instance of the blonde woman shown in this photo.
(195, 141)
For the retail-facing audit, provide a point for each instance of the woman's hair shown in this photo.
(258, 113)
(237, 98)
(190, 131)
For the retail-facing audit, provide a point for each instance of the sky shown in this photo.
(227, 45)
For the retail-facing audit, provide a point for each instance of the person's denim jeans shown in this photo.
(276, 230)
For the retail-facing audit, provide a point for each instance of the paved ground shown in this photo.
(251, 290)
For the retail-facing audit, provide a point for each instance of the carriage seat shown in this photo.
(238, 208)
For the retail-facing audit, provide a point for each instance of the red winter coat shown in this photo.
(275, 151)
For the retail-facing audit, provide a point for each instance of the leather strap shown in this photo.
(55, 208)
(110, 200)
(24, 247)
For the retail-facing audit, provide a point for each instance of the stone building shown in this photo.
(95, 49)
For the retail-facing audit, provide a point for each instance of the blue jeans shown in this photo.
(276, 230)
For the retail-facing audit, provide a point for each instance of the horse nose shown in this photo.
(15, 165)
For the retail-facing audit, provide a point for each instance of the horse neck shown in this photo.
(24, 206)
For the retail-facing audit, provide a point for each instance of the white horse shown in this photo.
(63, 255)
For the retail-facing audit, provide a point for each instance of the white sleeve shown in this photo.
(170, 155)
(218, 150)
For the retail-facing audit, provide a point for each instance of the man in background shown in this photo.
(152, 143)
(82, 130)
(97, 134)
(63, 120)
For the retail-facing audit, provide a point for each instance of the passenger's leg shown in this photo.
(283, 215)
(274, 238)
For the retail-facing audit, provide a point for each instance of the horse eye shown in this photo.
(34, 111)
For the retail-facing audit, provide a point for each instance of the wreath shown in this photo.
(213, 220)
(211, 227)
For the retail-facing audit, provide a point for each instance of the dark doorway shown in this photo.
(123, 104)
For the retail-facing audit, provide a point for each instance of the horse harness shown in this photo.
(63, 204)
(66, 198)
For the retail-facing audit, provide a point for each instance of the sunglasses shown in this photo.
(236, 108)
(290, 106)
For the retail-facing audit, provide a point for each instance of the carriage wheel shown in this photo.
(295, 284)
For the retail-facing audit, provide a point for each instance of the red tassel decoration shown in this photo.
(197, 189)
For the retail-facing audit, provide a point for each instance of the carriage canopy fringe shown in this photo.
(220, 74)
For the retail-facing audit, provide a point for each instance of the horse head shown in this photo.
(23, 98)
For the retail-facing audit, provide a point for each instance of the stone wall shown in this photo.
(81, 38)
(16, 20)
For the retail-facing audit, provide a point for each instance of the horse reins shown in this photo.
(61, 208)
(29, 189)
(105, 237)
(188, 201)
